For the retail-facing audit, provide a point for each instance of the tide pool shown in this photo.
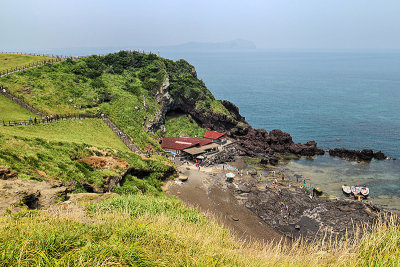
(330, 173)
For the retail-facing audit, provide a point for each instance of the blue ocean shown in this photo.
(339, 99)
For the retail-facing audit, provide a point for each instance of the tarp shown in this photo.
(194, 151)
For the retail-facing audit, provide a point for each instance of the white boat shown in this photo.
(355, 190)
(364, 191)
(346, 189)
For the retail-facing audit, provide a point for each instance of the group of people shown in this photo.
(45, 119)
(49, 118)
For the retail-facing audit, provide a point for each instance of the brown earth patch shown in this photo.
(19, 194)
(6, 173)
(105, 162)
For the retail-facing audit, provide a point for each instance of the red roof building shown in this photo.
(181, 143)
(214, 135)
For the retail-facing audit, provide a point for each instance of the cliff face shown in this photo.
(224, 116)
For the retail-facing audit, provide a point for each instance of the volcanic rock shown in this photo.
(357, 155)
(6, 173)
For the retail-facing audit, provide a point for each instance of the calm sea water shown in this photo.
(349, 100)
(339, 99)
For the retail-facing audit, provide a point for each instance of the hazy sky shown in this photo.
(324, 24)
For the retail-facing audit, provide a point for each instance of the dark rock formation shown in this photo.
(6, 173)
(293, 212)
(250, 141)
(358, 155)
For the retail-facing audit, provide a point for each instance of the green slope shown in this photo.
(88, 131)
(9, 110)
(11, 61)
(54, 148)
(123, 85)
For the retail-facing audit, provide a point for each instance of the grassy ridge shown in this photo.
(10, 61)
(157, 231)
(9, 110)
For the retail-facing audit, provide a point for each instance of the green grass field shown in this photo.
(9, 61)
(54, 148)
(88, 131)
(9, 110)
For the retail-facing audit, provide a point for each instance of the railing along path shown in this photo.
(46, 118)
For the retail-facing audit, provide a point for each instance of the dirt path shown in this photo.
(206, 190)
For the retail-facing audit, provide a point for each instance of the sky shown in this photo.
(272, 24)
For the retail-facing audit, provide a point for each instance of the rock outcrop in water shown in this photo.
(358, 155)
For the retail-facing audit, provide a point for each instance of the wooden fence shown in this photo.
(121, 134)
(20, 101)
(46, 119)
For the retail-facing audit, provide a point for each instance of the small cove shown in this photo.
(330, 173)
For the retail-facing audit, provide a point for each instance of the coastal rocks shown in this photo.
(257, 142)
(356, 155)
(294, 212)
(6, 173)
(272, 160)
(252, 172)
(308, 149)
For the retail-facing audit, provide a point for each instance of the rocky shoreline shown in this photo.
(285, 204)
(293, 209)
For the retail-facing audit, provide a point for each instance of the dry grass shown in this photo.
(153, 231)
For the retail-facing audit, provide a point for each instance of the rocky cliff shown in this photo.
(251, 142)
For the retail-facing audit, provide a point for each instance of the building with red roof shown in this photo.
(177, 144)
(215, 136)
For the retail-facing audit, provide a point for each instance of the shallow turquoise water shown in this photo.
(329, 174)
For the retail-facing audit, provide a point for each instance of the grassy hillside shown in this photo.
(12, 111)
(53, 149)
(143, 230)
(122, 85)
(183, 126)
(10, 61)
(88, 131)
(142, 226)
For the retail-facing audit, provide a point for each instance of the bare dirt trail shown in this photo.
(205, 190)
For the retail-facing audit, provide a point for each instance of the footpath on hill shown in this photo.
(46, 118)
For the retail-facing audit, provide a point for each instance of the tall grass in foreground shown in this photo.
(144, 230)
